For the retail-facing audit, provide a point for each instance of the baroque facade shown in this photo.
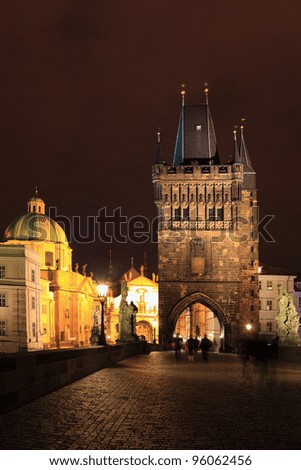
(43, 303)
(207, 235)
(143, 293)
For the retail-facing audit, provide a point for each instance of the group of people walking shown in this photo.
(192, 345)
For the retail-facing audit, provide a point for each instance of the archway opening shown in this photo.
(145, 331)
(198, 320)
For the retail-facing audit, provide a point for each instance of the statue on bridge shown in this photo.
(94, 338)
(127, 317)
(287, 319)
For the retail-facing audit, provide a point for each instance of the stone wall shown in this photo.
(27, 376)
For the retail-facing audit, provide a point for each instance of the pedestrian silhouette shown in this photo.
(205, 346)
(178, 346)
(190, 347)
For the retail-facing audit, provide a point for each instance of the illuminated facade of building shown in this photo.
(143, 292)
(43, 302)
(269, 279)
(207, 237)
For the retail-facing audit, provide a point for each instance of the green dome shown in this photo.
(35, 226)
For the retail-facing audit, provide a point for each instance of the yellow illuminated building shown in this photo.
(43, 302)
(143, 292)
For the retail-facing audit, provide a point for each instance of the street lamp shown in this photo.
(248, 327)
(102, 292)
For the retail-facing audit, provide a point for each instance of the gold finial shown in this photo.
(206, 91)
(36, 191)
(183, 93)
(235, 131)
(159, 134)
(132, 262)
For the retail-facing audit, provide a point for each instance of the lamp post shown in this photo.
(102, 292)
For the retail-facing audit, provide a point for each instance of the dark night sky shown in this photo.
(84, 85)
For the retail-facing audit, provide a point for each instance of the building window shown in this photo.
(252, 249)
(44, 309)
(2, 272)
(269, 285)
(3, 300)
(33, 302)
(252, 278)
(259, 304)
(220, 214)
(259, 285)
(177, 214)
(269, 326)
(186, 214)
(33, 275)
(48, 258)
(2, 328)
(33, 329)
(269, 305)
(259, 326)
(299, 302)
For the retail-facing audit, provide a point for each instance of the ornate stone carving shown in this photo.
(287, 320)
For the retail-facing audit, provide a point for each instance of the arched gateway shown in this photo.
(208, 228)
(186, 304)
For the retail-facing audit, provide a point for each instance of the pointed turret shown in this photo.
(196, 141)
(249, 172)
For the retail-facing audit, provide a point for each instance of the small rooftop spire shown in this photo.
(141, 270)
(183, 93)
(236, 156)
(206, 91)
(158, 156)
(243, 152)
(145, 264)
(36, 192)
(110, 268)
(132, 262)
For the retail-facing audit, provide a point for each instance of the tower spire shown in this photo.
(236, 156)
(206, 91)
(158, 156)
(110, 268)
(145, 265)
(243, 152)
(183, 93)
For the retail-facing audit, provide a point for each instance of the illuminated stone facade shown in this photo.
(45, 304)
(207, 237)
(143, 292)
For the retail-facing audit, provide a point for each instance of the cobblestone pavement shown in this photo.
(155, 402)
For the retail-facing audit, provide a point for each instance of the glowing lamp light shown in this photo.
(249, 326)
(102, 290)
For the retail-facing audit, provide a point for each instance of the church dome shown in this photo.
(35, 225)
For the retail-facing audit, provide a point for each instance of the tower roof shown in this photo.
(244, 154)
(196, 141)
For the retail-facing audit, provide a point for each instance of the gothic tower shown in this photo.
(207, 234)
